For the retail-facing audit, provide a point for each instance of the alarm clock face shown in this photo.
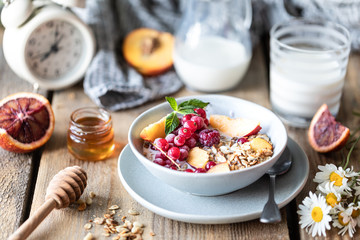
(54, 49)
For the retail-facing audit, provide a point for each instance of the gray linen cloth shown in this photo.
(109, 81)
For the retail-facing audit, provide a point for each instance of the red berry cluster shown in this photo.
(186, 136)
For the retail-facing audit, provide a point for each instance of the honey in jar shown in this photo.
(90, 135)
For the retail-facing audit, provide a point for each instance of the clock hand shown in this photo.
(58, 41)
(56, 31)
(46, 55)
(39, 55)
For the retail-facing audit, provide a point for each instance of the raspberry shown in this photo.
(209, 137)
(162, 144)
(201, 112)
(189, 170)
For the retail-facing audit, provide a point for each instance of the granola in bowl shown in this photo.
(199, 144)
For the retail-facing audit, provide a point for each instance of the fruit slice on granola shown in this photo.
(222, 167)
(325, 134)
(198, 157)
(260, 144)
(235, 127)
(154, 130)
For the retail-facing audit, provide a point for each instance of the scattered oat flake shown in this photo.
(114, 207)
(106, 234)
(137, 224)
(88, 236)
(92, 194)
(133, 212)
(99, 220)
(87, 226)
(82, 207)
(89, 201)
(152, 233)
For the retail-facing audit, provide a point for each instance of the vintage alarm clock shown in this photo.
(45, 43)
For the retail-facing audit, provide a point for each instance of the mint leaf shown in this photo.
(186, 111)
(195, 103)
(172, 102)
(171, 123)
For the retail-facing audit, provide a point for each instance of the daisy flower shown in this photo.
(330, 173)
(355, 212)
(344, 220)
(314, 214)
(332, 196)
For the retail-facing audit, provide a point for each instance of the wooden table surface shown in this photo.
(25, 177)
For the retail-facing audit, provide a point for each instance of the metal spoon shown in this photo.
(271, 212)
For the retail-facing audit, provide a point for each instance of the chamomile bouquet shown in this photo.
(336, 201)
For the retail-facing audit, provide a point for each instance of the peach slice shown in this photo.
(197, 157)
(154, 130)
(222, 167)
(235, 127)
(258, 144)
(149, 51)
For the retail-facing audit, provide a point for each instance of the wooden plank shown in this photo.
(350, 101)
(15, 169)
(104, 181)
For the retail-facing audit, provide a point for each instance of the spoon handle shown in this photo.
(271, 212)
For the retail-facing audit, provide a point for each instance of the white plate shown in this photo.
(242, 205)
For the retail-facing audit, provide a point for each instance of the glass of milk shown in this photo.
(212, 45)
(308, 61)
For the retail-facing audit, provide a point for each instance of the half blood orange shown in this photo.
(26, 122)
(325, 134)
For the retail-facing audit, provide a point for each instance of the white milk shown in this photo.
(300, 84)
(215, 64)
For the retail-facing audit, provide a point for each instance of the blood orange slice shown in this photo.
(325, 134)
(26, 122)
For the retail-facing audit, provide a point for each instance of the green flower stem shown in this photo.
(351, 149)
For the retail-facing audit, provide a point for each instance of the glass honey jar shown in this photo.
(90, 135)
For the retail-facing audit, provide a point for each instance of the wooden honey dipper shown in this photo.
(66, 187)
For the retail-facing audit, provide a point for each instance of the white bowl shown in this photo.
(212, 184)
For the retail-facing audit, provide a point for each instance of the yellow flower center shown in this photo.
(331, 199)
(341, 219)
(317, 214)
(355, 213)
(334, 177)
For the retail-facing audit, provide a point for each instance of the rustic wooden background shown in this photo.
(25, 177)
